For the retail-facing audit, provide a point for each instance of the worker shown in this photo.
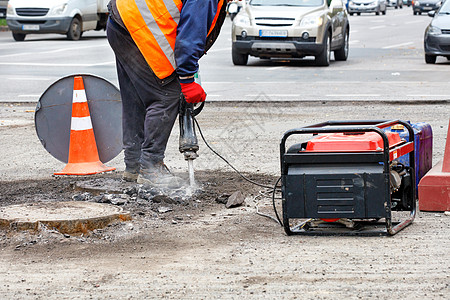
(157, 44)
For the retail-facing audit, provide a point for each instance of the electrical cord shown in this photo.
(274, 188)
(228, 163)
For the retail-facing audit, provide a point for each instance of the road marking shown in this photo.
(398, 45)
(29, 78)
(428, 96)
(273, 95)
(377, 21)
(34, 96)
(50, 51)
(413, 22)
(353, 42)
(353, 95)
(219, 50)
(275, 68)
(56, 65)
(377, 27)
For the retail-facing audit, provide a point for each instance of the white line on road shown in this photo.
(377, 27)
(413, 22)
(50, 51)
(428, 96)
(353, 42)
(273, 95)
(275, 68)
(33, 96)
(353, 95)
(398, 45)
(219, 50)
(56, 65)
(29, 78)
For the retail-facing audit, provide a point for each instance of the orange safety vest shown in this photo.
(153, 26)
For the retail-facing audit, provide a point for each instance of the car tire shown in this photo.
(19, 37)
(377, 13)
(351, 14)
(415, 12)
(323, 59)
(239, 59)
(430, 59)
(358, 14)
(384, 12)
(74, 33)
(342, 53)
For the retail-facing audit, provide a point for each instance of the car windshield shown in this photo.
(286, 2)
(445, 9)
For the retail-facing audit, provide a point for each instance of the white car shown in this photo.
(69, 17)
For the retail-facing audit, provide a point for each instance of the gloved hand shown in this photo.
(193, 92)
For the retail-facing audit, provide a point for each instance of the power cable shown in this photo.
(274, 188)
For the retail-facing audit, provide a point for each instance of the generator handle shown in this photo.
(350, 126)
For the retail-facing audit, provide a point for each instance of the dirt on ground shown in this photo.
(179, 246)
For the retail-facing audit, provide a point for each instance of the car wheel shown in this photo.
(323, 59)
(351, 14)
(342, 53)
(448, 57)
(415, 12)
(18, 37)
(74, 32)
(358, 14)
(377, 13)
(384, 11)
(430, 59)
(238, 58)
(420, 13)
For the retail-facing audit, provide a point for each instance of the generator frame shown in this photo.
(362, 224)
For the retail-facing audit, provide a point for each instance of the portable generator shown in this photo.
(348, 179)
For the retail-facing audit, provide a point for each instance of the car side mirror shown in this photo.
(431, 13)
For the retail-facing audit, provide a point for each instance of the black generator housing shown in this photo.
(347, 192)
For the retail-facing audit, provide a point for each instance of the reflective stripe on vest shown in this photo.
(154, 28)
(219, 6)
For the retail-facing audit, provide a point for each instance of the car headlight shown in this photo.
(241, 20)
(10, 10)
(374, 3)
(351, 3)
(439, 3)
(433, 30)
(416, 3)
(58, 10)
(312, 21)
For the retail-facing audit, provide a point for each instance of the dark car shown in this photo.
(3, 6)
(437, 34)
(420, 6)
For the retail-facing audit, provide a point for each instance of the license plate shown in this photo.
(273, 33)
(30, 27)
(427, 8)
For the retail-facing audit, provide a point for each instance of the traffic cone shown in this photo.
(83, 154)
(434, 187)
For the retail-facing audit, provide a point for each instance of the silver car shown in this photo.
(366, 6)
(291, 29)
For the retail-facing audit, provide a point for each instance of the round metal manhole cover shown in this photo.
(66, 217)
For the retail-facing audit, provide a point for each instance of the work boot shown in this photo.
(159, 176)
(130, 174)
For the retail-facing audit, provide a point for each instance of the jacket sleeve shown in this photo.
(196, 18)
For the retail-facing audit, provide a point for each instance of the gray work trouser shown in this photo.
(150, 105)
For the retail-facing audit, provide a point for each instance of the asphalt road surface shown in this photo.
(386, 62)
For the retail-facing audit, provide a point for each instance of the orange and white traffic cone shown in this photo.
(83, 154)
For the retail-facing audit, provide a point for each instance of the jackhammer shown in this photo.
(188, 138)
